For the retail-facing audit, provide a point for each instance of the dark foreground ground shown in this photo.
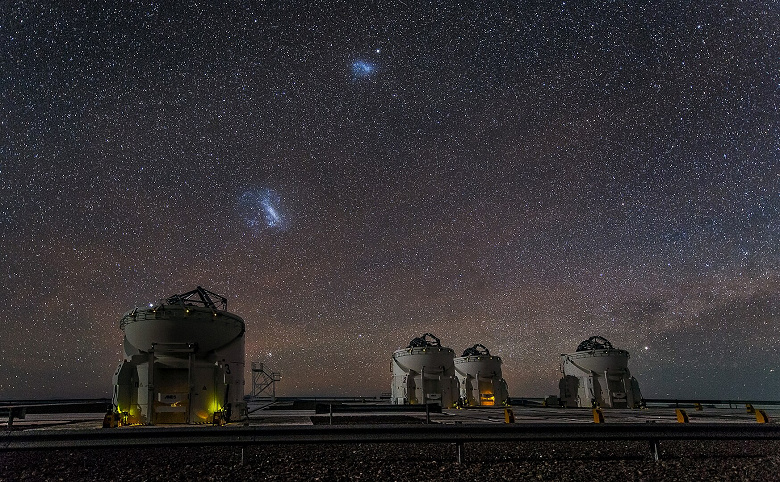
(561, 461)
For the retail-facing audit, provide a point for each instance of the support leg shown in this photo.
(654, 449)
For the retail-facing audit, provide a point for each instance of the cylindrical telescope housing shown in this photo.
(424, 372)
(480, 378)
(597, 375)
(184, 362)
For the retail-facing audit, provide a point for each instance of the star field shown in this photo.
(521, 175)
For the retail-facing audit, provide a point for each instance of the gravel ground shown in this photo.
(560, 461)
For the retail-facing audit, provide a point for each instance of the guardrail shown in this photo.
(11, 413)
(19, 410)
(694, 401)
(438, 433)
(323, 408)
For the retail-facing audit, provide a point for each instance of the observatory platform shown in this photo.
(661, 413)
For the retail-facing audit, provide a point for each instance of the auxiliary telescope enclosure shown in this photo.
(480, 378)
(183, 363)
(424, 372)
(597, 375)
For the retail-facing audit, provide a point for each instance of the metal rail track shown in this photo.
(436, 433)
(706, 401)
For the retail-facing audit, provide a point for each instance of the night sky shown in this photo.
(522, 175)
